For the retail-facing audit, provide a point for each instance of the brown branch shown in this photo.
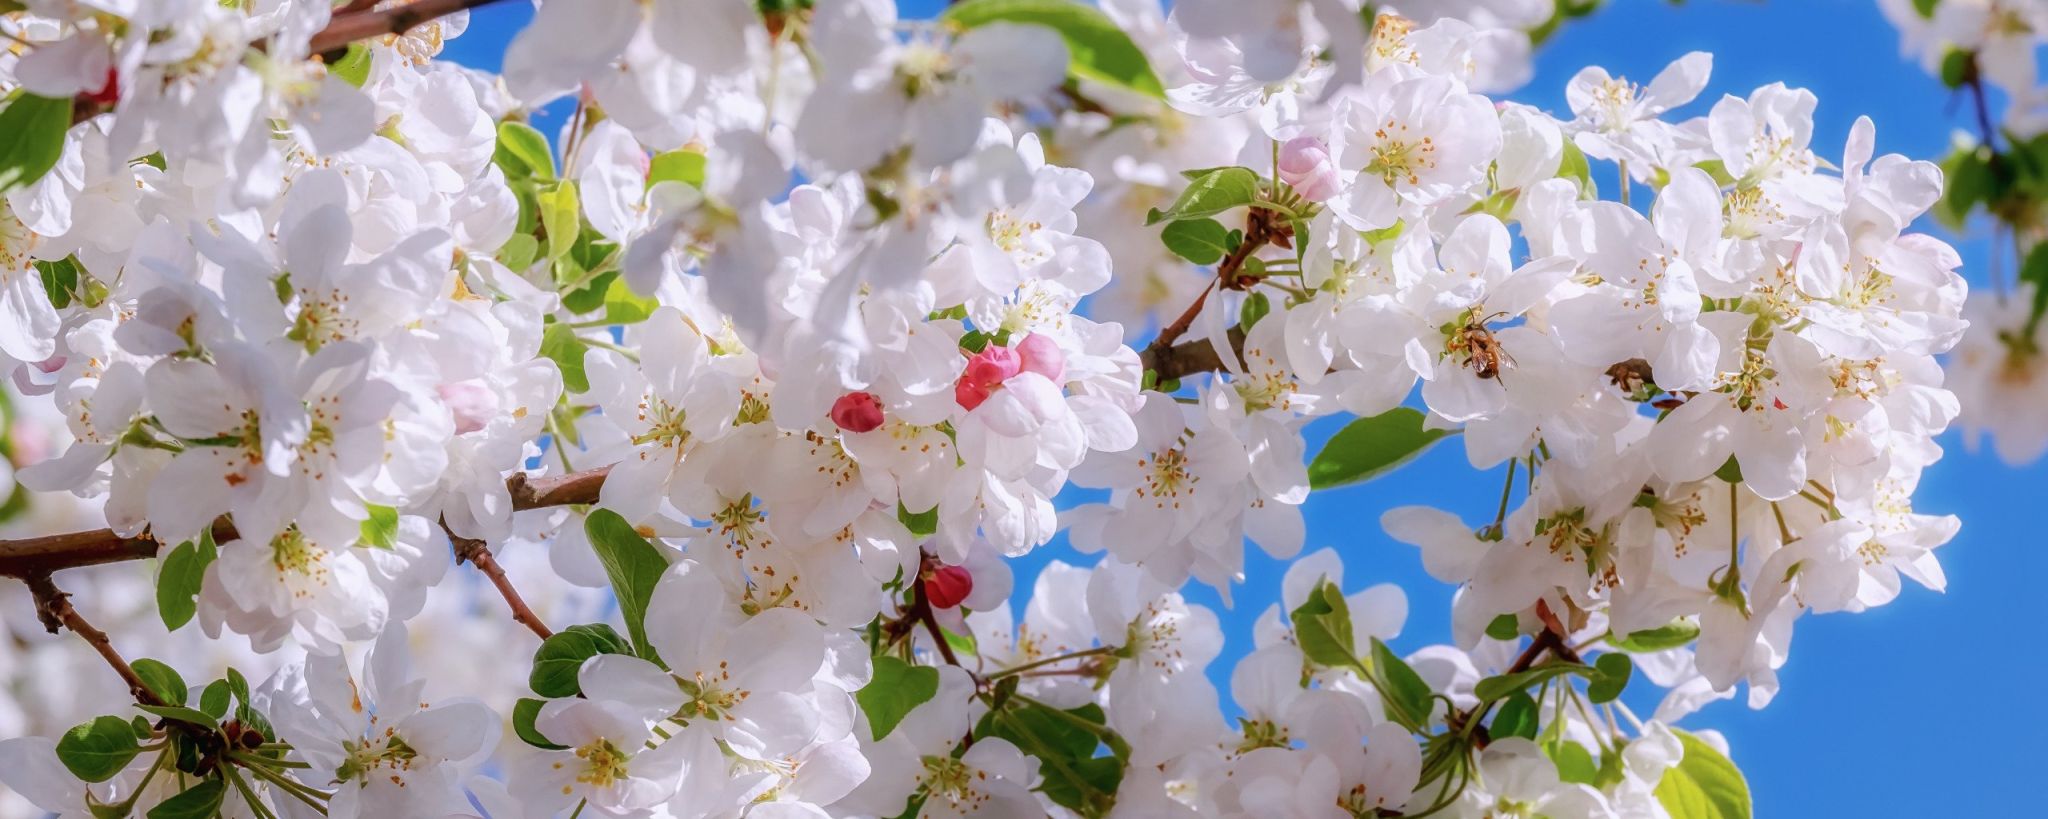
(362, 25)
(478, 553)
(53, 608)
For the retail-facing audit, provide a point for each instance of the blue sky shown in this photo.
(1898, 711)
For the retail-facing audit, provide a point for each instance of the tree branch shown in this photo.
(478, 553)
(30, 557)
(362, 25)
(53, 608)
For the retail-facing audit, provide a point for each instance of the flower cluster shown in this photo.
(808, 315)
(1989, 49)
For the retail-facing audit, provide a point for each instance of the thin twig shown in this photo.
(478, 553)
(53, 608)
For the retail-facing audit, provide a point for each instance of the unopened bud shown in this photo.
(1305, 164)
(857, 412)
(946, 586)
(1042, 355)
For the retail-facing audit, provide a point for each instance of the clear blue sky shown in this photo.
(1916, 708)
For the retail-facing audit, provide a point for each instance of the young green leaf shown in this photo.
(161, 680)
(213, 701)
(1610, 676)
(196, 802)
(1504, 627)
(1517, 717)
(1202, 241)
(1322, 627)
(1256, 306)
(560, 344)
(95, 751)
(1496, 687)
(1573, 166)
(561, 215)
(31, 138)
(1670, 635)
(1704, 784)
(1097, 49)
(561, 656)
(522, 152)
(1574, 763)
(180, 713)
(353, 67)
(1214, 192)
(380, 529)
(895, 689)
(523, 714)
(60, 279)
(1405, 694)
(683, 166)
(623, 306)
(920, 524)
(1065, 743)
(178, 582)
(633, 565)
(1367, 448)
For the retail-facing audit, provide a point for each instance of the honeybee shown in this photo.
(1483, 352)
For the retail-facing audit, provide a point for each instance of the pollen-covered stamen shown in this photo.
(603, 763)
(1168, 476)
(1398, 156)
(709, 696)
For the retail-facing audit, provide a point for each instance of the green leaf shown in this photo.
(214, 700)
(1065, 743)
(161, 680)
(196, 802)
(519, 251)
(623, 306)
(60, 279)
(522, 152)
(1730, 471)
(178, 582)
(180, 713)
(31, 138)
(1516, 717)
(1322, 627)
(633, 565)
(1704, 785)
(1202, 241)
(1925, 8)
(354, 67)
(560, 344)
(1214, 192)
(1370, 447)
(1717, 170)
(1610, 676)
(1504, 627)
(95, 751)
(523, 714)
(380, 529)
(561, 656)
(1573, 166)
(921, 524)
(896, 688)
(561, 215)
(683, 166)
(1670, 635)
(1574, 762)
(1097, 49)
(1496, 687)
(1406, 696)
(1971, 181)
(1256, 306)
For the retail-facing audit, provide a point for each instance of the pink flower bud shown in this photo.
(857, 412)
(472, 402)
(970, 394)
(1305, 164)
(946, 586)
(992, 366)
(1042, 355)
